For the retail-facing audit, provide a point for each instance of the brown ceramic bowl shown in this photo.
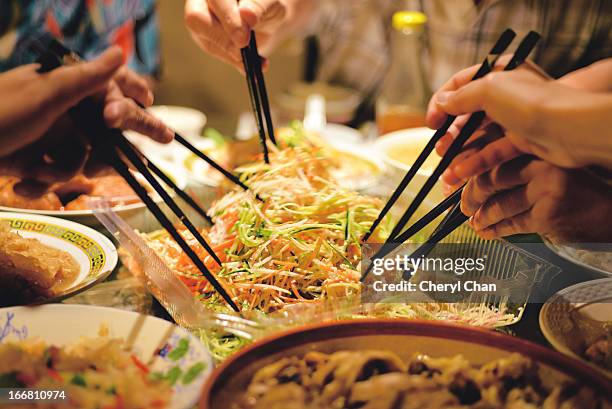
(404, 337)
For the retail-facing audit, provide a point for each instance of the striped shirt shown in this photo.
(354, 40)
(86, 26)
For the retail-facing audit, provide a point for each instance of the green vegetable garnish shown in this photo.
(193, 372)
(78, 380)
(180, 350)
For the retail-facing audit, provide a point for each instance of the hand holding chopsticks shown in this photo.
(111, 142)
(455, 218)
(258, 94)
(498, 49)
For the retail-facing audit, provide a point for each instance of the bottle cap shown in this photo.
(408, 20)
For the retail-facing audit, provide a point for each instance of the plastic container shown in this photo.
(515, 271)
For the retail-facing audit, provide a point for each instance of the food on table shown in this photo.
(93, 372)
(30, 269)
(379, 379)
(348, 169)
(70, 195)
(600, 352)
(301, 246)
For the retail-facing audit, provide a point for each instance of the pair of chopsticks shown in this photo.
(53, 54)
(258, 94)
(114, 146)
(455, 218)
(496, 51)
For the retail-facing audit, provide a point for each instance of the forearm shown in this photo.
(597, 77)
(589, 137)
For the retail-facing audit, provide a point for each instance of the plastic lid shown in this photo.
(408, 19)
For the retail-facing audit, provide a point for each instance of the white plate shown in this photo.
(60, 324)
(583, 258)
(556, 314)
(95, 254)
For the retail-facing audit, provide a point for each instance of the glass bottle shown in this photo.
(404, 95)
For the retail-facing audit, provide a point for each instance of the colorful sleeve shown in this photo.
(133, 26)
(139, 39)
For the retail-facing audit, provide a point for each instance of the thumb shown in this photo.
(467, 99)
(256, 12)
(73, 83)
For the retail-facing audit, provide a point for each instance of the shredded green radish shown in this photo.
(300, 245)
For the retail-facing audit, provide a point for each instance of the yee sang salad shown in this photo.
(300, 245)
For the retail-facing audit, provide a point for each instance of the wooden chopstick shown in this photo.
(496, 51)
(472, 124)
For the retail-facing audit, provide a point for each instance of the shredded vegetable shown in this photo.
(301, 244)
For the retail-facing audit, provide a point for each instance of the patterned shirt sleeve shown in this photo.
(86, 26)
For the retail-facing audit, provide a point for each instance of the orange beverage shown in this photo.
(398, 117)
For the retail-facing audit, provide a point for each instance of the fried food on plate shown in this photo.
(30, 269)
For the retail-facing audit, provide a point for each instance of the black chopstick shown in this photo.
(123, 170)
(472, 124)
(180, 192)
(261, 86)
(255, 101)
(452, 224)
(228, 175)
(456, 218)
(86, 116)
(452, 200)
(135, 158)
(496, 51)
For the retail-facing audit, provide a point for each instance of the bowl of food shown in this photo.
(400, 149)
(100, 357)
(578, 322)
(400, 364)
(295, 254)
(72, 199)
(45, 259)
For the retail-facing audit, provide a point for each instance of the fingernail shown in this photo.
(150, 98)
(443, 97)
(240, 37)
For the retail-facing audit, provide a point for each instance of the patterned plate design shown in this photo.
(96, 254)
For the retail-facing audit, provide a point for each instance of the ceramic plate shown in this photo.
(129, 211)
(60, 324)
(557, 318)
(403, 337)
(95, 254)
(598, 261)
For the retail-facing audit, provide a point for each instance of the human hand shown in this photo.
(528, 195)
(549, 119)
(37, 138)
(222, 27)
